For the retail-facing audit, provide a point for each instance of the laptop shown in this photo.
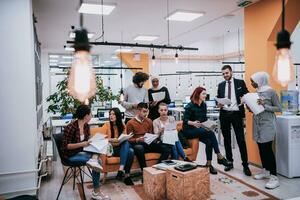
(210, 103)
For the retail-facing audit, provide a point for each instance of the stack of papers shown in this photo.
(149, 138)
(158, 96)
(123, 137)
(170, 137)
(98, 144)
(224, 101)
(209, 124)
(251, 100)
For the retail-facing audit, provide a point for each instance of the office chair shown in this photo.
(72, 166)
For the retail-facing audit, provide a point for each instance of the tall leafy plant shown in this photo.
(60, 101)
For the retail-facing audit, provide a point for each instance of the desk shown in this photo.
(64, 122)
(58, 114)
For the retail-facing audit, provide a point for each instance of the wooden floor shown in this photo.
(289, 188)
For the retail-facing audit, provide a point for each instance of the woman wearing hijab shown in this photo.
(156, 88)
(264, 127)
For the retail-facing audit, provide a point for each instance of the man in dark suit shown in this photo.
(233, 114)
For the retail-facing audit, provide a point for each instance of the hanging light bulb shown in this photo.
(153, 60)
(176, 58)
(121, 95)
(82, 81)
(179, 86)
(283, 71)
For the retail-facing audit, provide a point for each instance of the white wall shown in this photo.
(18, 146)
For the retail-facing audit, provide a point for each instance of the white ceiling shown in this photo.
(135, 17)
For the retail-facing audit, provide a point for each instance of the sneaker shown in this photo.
(272, 183)
(94, 164)
(99, 196)
(262, 174)
(120, 175)
(128, 181)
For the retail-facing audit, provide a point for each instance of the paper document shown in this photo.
(224, 101)
(170, 126)
(251, 101)
(209, 124)
(170, 137)
(149, 138)
(158, 96)
(123, 137)
(98, 144)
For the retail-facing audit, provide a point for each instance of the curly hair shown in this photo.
(140, 77)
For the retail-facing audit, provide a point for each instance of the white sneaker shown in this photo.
(94, 164)
(272, 183)
(262, 174)
(99, 196)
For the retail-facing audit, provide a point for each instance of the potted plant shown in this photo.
(60, 101)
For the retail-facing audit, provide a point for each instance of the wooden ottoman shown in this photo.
(154, 183)
(192, 185)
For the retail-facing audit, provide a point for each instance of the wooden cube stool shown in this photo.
(154, 183)
(192, 185)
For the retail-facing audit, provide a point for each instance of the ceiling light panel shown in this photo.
(96, 9)
(184, 16)
(145, 38)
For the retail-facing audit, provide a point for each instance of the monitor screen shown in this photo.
(210, 103)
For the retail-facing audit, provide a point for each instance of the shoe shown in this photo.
(272, 183)
(229, 167)
(262, 174)
(120, 175)
(128, 181)
(99, 196)
(94, 164)
(224, 162)
(212, 170)
(187, 159)
(247, 171)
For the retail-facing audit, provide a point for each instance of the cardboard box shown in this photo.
(191, 185)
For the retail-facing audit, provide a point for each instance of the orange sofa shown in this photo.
(111, 164)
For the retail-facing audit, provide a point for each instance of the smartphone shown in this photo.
(169, 162)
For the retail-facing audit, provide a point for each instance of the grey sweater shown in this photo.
(264, 124)
(132, 96)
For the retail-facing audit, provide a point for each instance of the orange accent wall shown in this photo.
(262, 21)
(128, 59)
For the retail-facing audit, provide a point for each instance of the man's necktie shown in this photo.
(229, 90)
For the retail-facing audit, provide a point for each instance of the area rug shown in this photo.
(223, 187)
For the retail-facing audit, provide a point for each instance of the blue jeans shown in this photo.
(177, 150)
(206, 137)
(84, 157)
(126, 154)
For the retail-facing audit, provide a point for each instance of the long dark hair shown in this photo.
(119, 122)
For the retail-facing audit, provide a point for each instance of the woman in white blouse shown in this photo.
(159, 125)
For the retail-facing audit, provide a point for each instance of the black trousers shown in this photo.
(234, 118)
(267, 157)
(141, 148)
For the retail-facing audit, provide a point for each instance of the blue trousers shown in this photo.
(177, 150)
(84, 157)
(126, 154)
(206, 137)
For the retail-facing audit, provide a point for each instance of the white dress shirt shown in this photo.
(233, 106)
